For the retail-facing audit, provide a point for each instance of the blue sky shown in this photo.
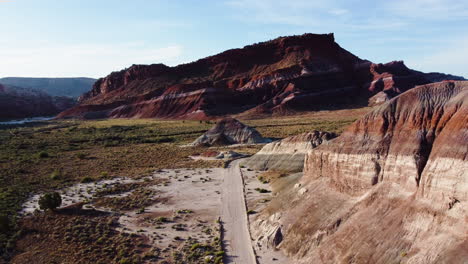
(63, 38)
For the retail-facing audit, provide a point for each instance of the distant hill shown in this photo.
(71, 87)
(17, 102)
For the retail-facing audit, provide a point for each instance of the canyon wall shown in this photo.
(392, 188)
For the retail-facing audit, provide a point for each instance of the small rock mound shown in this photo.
(229, 155)
(230, 131)
(288, 154)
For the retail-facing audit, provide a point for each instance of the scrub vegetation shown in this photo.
(46, 156)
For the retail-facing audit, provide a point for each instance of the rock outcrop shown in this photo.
(230, 131)
(281, 76)
(392, 188)
(18, 102)
(287, 154)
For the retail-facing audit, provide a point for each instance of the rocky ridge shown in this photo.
(281, 76)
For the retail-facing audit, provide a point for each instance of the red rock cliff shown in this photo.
(392, 188)
(283, 75)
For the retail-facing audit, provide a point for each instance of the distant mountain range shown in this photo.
(18, 103)
(281, 76)
(71, 87)
(31, 97)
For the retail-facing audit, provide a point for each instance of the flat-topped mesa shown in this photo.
(288, 154)
(281, 76)
(395, 181)
(230, 131)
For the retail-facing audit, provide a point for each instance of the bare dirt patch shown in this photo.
(170, 211)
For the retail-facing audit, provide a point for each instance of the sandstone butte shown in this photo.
(393, 188)
(281, 76)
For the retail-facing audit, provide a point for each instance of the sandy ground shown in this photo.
(194, 199)
(189, 206)
(236, 239)
(190, 203)
(77, 193)
(256, 202)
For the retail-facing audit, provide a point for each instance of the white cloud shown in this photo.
(92, 60)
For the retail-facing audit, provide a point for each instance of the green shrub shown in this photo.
(56, 174)
(195, 246)
(50, 201)
(218, 260)
(43, 155)
(125, 261)
(263, 180)
(81, 156)
(185, 211)
(87, 179)
(261, 190)
(4, 223)
(162, 219)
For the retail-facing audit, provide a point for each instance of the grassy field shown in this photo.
(330, 121)
(51, 155)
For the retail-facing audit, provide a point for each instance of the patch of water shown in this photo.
(27, 120)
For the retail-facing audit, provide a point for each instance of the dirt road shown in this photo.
(234, 217)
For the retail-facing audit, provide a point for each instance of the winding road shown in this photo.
(236, 238)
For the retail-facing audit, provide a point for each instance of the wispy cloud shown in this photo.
(94, 60)
(312, 13)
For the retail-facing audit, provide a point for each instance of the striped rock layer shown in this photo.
(287, 154)
(229, 131)
(393, 188)
(281, 76)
